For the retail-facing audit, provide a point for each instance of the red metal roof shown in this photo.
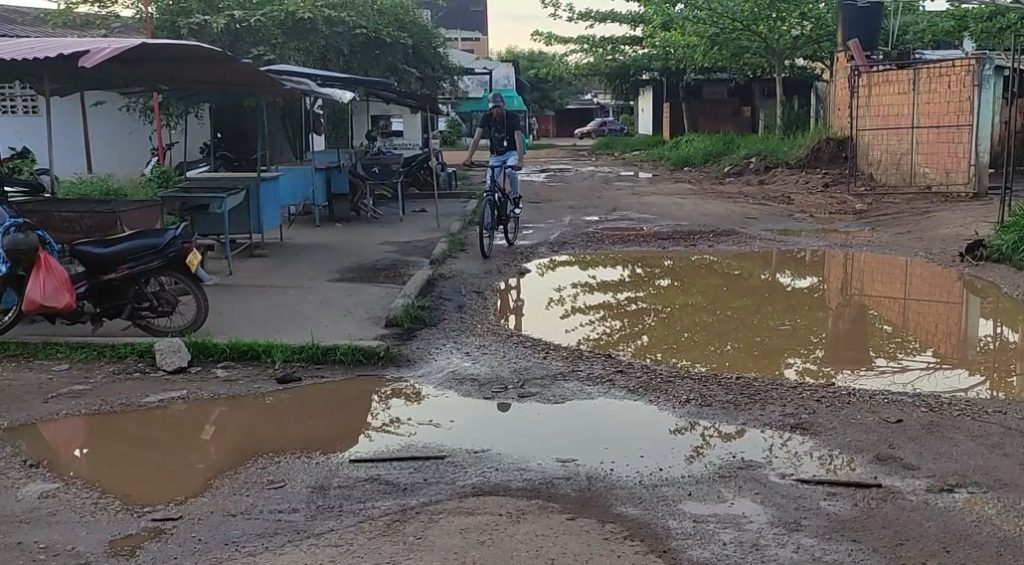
(118, 64)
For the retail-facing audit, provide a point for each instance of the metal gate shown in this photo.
(912, 126)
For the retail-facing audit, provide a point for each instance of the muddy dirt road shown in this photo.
(646, 378)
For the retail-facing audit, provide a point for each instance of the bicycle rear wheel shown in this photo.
(486, 227)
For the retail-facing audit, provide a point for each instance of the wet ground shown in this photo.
(708, 322)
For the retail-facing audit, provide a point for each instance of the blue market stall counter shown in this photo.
(228, 207)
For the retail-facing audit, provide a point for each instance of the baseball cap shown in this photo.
(495, 100)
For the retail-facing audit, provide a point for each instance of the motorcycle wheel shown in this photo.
(10, 308)
(171, 289)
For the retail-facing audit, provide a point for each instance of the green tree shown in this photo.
(552, 79)
(384, 38)
(989, 27)
(746, 37)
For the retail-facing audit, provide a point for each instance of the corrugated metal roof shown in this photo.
(22, 21)
(81, 64)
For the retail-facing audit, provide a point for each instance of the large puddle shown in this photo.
(828, 316)
(154, 456)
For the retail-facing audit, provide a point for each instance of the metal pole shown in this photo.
(260, 109)
(1014, 95)
(433, 169)
(49, 132)
(851, 145)
(184, 143)
(913, 124)
(213, 138)
(85, 133)
(312, 161)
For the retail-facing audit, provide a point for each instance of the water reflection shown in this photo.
(155, 456)
(851, 318)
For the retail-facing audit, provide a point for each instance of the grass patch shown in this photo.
(541, 145)
(109, 186)
(626, 145)
(1006, 245)
(473, 216)
(454, 245)
(697, 150)
(206, 350)
(414, 314)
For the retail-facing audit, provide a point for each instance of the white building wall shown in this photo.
(119, 141)
(475, 86)
(645, 111)
(412, 140)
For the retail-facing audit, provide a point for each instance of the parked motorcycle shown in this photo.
(145, 277)
(223, 160)
(20, 175)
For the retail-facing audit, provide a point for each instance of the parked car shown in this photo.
(600, 127)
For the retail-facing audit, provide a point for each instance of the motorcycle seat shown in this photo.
(112, 250)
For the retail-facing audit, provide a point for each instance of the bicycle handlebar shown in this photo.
(479, 165)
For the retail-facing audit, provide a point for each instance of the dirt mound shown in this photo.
(828, 153)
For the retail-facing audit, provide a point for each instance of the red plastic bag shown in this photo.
(49, 289)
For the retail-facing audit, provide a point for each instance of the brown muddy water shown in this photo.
(155, 456)
(841, 317)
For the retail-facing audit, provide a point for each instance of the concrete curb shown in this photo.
(90, 340)
(414, 286)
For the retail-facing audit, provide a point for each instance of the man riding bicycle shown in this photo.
(505, 133)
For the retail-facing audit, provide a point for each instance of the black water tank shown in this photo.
(861, 19)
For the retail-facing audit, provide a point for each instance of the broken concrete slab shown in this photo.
(172, 355)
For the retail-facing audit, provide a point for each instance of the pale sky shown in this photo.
(512, 21)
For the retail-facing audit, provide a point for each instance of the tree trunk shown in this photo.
(779, 97)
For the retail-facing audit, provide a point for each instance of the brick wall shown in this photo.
(913, 125)
(916, 297)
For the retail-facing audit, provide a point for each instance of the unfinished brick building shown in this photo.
(931, 123)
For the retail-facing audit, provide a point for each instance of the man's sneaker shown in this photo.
(517, 206)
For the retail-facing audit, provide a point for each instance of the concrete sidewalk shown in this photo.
(331, 284)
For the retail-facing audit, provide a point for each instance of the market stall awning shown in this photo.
(311, 88)
(74, 65)
(367, 87)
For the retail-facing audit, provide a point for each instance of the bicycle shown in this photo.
(495, 211)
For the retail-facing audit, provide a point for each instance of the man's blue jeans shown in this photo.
(509, 159)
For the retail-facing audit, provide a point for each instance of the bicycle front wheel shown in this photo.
(512, 230)
(486, 227)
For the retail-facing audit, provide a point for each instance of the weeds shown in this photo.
(626, 145)
(1006, 245)
(209, 351)
(455, 245)
(109, 186)
(698, 150)
(415, 313)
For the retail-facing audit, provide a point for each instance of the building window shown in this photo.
(17, 99)
(425, 14)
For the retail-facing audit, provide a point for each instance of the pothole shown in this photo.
(155, 456)
(854, 319)
(128, 547)
(390, 271)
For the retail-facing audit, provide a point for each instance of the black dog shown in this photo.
(975, 251)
